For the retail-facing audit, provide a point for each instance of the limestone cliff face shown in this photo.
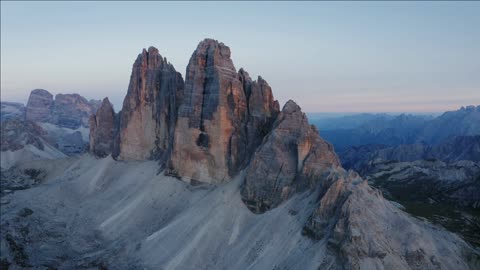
(72, 110)
(292, 158)
(102, 130)
(214, 121)
(262, 111)
(66, 110)
(39, 106)
(149, 109)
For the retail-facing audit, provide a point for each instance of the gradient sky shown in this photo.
(327, 56)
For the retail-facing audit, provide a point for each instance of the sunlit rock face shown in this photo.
(291, 159)
(102, 130)
(214, 135)
(149, 109)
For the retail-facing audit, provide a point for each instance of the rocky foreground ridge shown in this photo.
(218, 124)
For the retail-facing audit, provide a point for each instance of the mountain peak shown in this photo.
(291, 107)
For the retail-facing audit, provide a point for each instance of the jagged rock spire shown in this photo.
(292, 158)
(149, 108)
(214, 134)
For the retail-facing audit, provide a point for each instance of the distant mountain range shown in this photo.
(454, 149)
(363, 129)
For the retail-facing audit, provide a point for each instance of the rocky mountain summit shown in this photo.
(150, 108)
(66, 110)
(261, 189)
(224, 126)
(454, 149)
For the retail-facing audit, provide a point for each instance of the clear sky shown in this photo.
(327, 56)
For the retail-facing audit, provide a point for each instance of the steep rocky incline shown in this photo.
(291, 159)
(222, 119)
(150, 108)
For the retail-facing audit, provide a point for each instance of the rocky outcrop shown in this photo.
(292, 158)
(444, 193)
(357, 224)
(102, 130)
(262, 111)
(223, 117)
(17, 133)
(150, 108)
(67, 110)
(72, 110)
(39, 106)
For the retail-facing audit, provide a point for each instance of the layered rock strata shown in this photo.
(149, 109)
(223, 117)
(102, 130)
(292, 158)
(66, 110)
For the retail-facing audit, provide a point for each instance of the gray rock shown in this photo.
(39, 106)
(150, 108)
(16, 133)
(72, 111)
(102, 130)
(11, 110)
(223, 118)
(291, 159)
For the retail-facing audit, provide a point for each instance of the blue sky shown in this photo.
(327, 56)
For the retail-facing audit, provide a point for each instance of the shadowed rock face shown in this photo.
(149, 109)
(16, 133)
(73, 110)
(67, 110)
(39, 106)
(291, 159)
(102, 130)
(217, 130)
